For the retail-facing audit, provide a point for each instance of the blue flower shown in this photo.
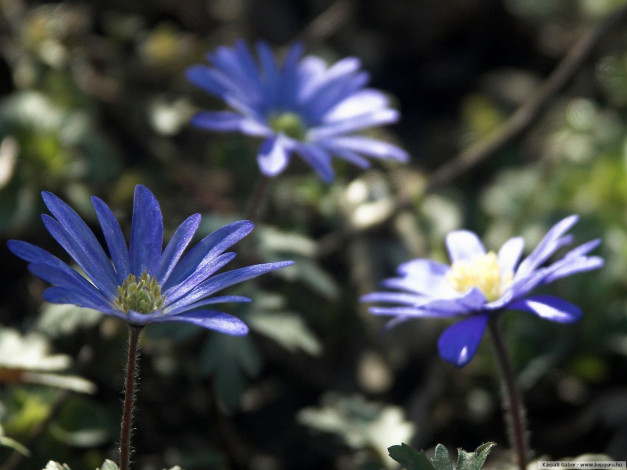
(300, 107)
(141, 283)
(482, 284)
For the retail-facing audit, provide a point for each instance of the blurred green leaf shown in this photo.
(360, 423)
(287, 329)
(12, 443)
(410, 458)
(229, 360)
(26, 359)
(56, 466)
(63, 319)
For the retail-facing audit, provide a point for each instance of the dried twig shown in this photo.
(516, 125)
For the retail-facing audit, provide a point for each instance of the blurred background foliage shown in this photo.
(93, 100)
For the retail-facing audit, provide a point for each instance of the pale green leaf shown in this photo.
(288, 329)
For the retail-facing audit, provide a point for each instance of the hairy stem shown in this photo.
(511, 400)
(130, 389)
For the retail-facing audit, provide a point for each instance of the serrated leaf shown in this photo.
(410, 458)
(474, 460)
(109, 465)
(441, 459)
(288, 329)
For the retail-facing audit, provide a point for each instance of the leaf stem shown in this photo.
(512, 403)
(256, 198)
(130, 390)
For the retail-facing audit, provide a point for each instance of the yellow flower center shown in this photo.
(141, 294)
(289, 124)
(484, 273)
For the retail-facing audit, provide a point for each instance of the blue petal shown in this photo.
(289, 82)
(319, 159)
(209, 301)
(146, 232)
(92, 269)
(510, 252)
(549, 308)
(63, 295)
(210, 319)
(463, 245)
(176, 295)
(65, 277)
(270, 73)
(471, 301)
(221, 121)
(578, 265)
(394, 297)
(367, 146)
(227, 279)
(274, 155)
(364, 121)
(459, 342)
(114, 238)
(414, 312)
(202, 76)
(551, 242)
(210, 246)
(174, 250)
(81, 243)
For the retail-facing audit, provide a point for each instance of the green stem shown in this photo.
(130, 389)
(511, 399)
(256, 198)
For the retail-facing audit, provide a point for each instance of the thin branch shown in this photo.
(522, 119)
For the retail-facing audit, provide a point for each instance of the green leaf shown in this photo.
(360, 423)
(13, 444)
(473, 460)
(441, 459)
(410, 458)
(288, 329)
(229, 360)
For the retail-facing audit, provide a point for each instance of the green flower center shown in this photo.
(484, 273)
(141, 294)
(290, 124)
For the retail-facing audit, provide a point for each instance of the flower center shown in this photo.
(141, 294)
(484, 273)
(289, 124)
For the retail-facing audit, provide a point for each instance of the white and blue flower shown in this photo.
(480, 284)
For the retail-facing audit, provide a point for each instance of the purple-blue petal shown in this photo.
(463, 245)
(459, 342)
(510, 252)
(177, 294)
(80, 298)
(319, 159)
(86, 249)
(274, 155)
(210, 246)
(210, 319)
(549, 244)
(549, 308)
(146, 232)
(227, 279)
(176, 246)
(114, 239)
(208, 301)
